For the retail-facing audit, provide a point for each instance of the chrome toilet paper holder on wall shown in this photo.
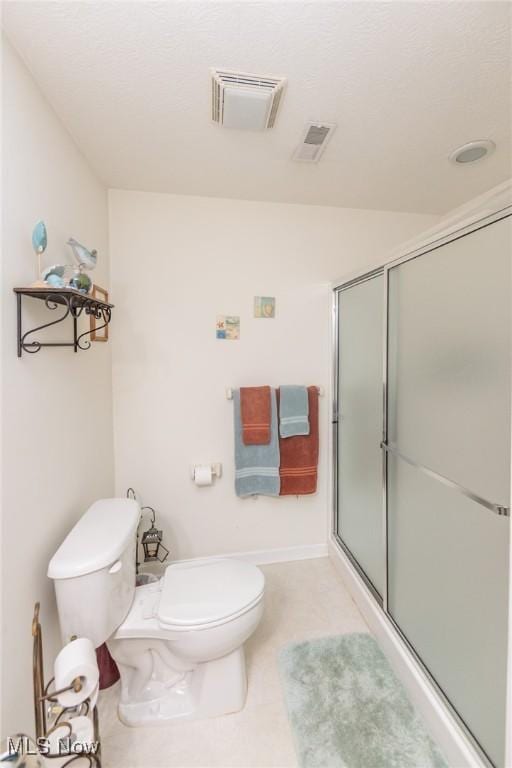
(216, 470)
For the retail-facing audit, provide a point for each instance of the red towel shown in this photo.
(299, 455)
(255, 415)
(109, 673)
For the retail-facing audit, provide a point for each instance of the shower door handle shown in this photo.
(499, 509)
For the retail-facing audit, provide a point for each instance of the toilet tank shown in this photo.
(94, 570)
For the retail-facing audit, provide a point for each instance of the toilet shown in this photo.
(178, 642)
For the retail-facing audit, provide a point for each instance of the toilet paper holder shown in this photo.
(215, 468)
(44, 695)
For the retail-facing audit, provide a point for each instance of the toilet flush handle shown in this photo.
(116, 567)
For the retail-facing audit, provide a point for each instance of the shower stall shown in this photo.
(422, 460)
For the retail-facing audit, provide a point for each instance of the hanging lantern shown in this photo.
(154, 550)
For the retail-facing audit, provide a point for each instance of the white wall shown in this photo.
(179, 261)
(57, 422)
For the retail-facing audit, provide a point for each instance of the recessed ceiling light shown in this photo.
(473, 151)
(247, 102)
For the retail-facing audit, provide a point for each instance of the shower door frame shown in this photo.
(337, 291)
(451, 235)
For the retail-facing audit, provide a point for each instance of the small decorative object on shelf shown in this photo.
(101, 294)
(54, 276)
(39, 243)
(74, 303)
(58, 275)
(85, 258)
(80, 281)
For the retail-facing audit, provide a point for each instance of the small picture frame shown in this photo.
(102, 295)
(228, 327)
(265, 306)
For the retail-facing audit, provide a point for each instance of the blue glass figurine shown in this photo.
(54, 276)
(39, 243)
(81, 282)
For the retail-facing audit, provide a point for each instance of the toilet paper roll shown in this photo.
(203, 475)
(80, 731)
(76, 659)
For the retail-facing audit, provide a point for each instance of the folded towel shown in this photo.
(255, 414)
(293, 411)
(299, 455)
(256, 466)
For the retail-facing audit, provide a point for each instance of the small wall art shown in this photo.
(264, 306)
(228, 327)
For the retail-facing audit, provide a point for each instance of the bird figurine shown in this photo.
(39, 243)
(83, 255)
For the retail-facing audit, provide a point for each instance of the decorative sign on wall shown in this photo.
(228, 327)
(264, 306)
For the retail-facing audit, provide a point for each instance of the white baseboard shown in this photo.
(268, 556)
(284, 555)
(456, 747)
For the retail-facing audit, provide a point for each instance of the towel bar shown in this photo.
(229, 392)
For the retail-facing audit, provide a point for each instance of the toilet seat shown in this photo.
(213, 592)
(205, 594)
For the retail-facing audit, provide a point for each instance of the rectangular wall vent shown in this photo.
(244, 101)
(314, 140)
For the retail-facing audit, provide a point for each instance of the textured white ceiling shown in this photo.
(405, 81)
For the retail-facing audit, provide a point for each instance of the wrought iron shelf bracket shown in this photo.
(71, 303)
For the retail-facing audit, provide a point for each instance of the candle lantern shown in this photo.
(154, 550)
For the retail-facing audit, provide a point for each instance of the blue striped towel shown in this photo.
(293, 411)
(256, 466)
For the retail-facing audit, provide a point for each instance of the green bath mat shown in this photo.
(348, 709)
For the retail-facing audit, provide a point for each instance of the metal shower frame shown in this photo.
(498, 508)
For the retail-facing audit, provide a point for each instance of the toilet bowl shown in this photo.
(180, 648)
(178, 642)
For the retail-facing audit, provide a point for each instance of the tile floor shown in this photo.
(304, 599)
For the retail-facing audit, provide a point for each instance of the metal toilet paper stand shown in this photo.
(58, 715)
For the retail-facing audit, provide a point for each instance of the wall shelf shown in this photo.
(73, 303)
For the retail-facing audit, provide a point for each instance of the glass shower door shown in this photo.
(448, 479)
(359, 523)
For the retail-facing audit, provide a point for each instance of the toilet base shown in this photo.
(213, 688)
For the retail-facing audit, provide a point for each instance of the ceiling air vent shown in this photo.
(247, 102)
(314, 141)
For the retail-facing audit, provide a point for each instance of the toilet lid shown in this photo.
(208, 591)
